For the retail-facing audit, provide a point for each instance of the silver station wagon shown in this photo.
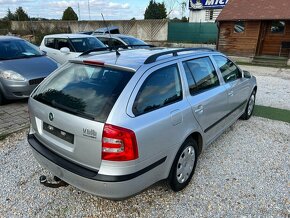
(113, 124)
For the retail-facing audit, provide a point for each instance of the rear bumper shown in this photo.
(107, 186)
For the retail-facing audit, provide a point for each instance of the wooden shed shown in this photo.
(252, 28)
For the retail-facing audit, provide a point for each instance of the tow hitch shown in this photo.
(57, 184)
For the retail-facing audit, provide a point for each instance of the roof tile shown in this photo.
(255, 10)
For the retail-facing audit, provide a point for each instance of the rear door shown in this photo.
(208, 96)
(159, 111)
(68, 111)
(49, 47)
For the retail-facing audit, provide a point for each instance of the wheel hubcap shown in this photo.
(251, 104)
(185, 164)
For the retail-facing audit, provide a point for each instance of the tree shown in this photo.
(155, 11)
(9, 15)
(184, 19)
(21, 15)
(69, 14)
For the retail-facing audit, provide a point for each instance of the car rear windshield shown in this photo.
(85, 44)
(17, 49)
(84, 90)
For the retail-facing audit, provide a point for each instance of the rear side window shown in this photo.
(49, 42)
(104, 40)
(84, 90)
(115, 43)
(200, 75)
(229, 70)
(161, 88)
(85, 44)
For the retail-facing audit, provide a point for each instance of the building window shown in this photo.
(211, 14)
(239, 27)
(277, 26)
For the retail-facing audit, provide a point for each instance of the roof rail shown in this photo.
(153, 58)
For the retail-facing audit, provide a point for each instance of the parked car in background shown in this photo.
(107, 30)
(113, 124)
(86, 32)
(121, 41)
(22, 67)
(63, 47)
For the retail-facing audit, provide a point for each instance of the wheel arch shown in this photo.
(199, 140)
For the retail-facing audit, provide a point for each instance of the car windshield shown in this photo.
(17, 49)
(132, 41)
(83, 90)
(85, 44)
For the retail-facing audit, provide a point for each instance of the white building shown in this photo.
(205, 10)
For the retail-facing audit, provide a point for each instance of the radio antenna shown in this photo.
(117, 52)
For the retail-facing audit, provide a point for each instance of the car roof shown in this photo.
(68, 35)
(2, 38)
(135, 58)
(113, 35)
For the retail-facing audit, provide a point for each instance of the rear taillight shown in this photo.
(118, 144)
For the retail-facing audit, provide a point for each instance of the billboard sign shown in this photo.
(207, 4)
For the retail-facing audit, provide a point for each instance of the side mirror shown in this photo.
(247, 74)
(65, 50)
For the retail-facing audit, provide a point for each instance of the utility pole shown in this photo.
(79, 11)
(89, 9)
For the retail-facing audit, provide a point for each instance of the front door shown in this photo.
(208, 98)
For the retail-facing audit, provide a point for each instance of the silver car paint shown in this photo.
(159, 133)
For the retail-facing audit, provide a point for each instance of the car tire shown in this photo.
(183, 166)
(250, 107)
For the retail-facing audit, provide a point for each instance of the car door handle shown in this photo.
(199, 109)
(231, 93)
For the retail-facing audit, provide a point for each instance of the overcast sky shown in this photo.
(112, 9)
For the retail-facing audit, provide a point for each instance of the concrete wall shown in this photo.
(148, 30)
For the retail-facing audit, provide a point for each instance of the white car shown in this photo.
(120, 40)
(63, 47)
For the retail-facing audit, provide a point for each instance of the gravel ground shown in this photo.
(243, 173)
(273, 86)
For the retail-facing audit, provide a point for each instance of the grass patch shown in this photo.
(261, 65)
(272, 113)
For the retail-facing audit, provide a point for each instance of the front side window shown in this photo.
(278, 27)
(161, 88)
(84, 90)
(229, 70)
(239, 27)
(200, 74)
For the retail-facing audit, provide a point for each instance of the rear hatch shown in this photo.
(69, 109)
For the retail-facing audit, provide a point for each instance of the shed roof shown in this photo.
(255, 10)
